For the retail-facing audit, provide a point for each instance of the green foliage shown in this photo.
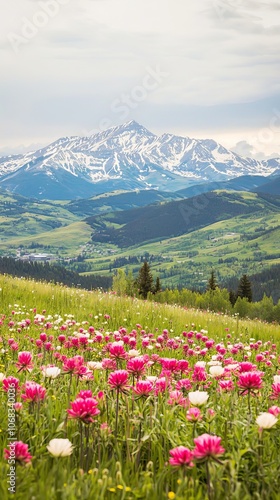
(244, 288)
(51, 272)
(145, 281)
(212, 282)
(120, 282)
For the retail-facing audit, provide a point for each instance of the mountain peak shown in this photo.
(134, 126)
(126, 156)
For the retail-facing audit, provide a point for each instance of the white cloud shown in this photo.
(221, 55)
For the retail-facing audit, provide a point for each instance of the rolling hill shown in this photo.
(169, 220)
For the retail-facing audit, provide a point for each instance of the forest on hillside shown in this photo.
(52, 273)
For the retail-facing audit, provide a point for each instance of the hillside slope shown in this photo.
(128, 228)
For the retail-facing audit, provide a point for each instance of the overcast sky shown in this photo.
(205, 68)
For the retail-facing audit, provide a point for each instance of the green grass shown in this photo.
(130, 460)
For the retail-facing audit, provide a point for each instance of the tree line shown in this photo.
(52, 273)
(214, 298)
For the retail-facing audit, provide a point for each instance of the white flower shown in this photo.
(216, 371)
(198, 398)
(232, 366)
(133, 353)
(201, 364)
(60, 447)
(214, 363)
(51, 371)
(95, 365)
(276, 379)
(151, 378)
(266, 420)
(2, 376)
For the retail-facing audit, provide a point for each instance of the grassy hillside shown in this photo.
(20, 216)
(128, 228)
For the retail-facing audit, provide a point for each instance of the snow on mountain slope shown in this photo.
(131, 155)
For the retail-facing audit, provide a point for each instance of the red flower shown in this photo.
(84, 409)
(194, 414)
(143, 387)
(207, 446)
(275, 391)
(19, 452)
(24, 361)
(85, 394)
(181, 456)
(33, 392)
(118, 379)
(117, 351)
(250, 380)
(177, 398)
(136, 366)
(274, 410)
(10, 382)
(226, 385)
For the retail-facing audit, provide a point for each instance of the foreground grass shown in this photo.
(124, 453)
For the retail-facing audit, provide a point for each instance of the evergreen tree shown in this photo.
(145, 280)
(157, 287)
(244, 288)
(232, 297)
(212, 282)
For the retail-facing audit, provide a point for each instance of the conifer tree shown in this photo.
(157, 287)
(212, 282)
(245, 288)
(145, 280)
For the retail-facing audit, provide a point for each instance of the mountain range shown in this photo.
(126, 157)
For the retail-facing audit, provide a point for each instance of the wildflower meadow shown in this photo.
(106, 397)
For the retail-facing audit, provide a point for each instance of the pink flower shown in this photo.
(199, 374)
(274, 410)
(19, 452)
(275, 391)
(177, 398)
(33, 392)
(226, 385)
(136, 366)
(161, 385)
(249, 381)
(143, 387)
(18, 407)
(246, 366)
(181, 456)
(24, 361)
(169, 364)
(76, 366)
(85, 394)
(117, 351)
(109, 364)
(84, 409)
(194, 414)
(207, 446)
(184, 384)
(10, 382)
(118, 379)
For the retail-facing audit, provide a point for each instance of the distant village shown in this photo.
(36, 257)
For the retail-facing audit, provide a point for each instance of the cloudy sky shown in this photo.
(206, 68)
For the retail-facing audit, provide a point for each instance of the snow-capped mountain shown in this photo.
(124, 157)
